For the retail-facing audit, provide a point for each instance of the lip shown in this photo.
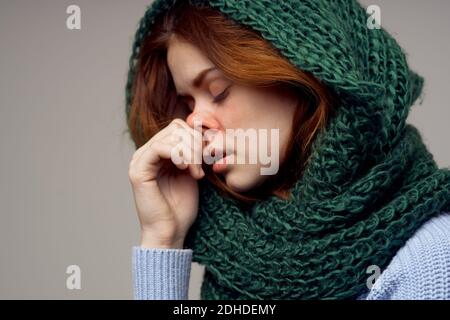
(222, 166)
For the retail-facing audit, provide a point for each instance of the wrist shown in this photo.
(149, 241)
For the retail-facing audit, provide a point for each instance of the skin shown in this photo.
(167, 201)
(274, 109)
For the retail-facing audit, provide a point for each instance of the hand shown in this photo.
(165, 193)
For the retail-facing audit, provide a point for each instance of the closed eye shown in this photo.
(222, 96)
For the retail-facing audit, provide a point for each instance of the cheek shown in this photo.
(232, 112)
(242, 107)
(254, 108)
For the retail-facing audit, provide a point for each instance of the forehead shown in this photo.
(185, 61)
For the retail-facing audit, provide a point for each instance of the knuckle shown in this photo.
(135, 178)
(132, 175)
(131, 165)
(177, 122)
(154, 145)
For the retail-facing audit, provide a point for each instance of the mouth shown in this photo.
(225, 158)
(222, 164)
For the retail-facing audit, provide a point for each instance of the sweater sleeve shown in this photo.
(161, 274)
(421, 268)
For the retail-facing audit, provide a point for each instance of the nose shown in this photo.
(206, 120)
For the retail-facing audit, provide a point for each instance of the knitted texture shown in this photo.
(369, 184)
(420, 270)
(151, 265)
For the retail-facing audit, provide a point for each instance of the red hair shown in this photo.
(243, 56)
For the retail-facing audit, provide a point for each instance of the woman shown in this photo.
(358, 207)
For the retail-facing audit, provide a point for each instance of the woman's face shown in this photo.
(222, 105)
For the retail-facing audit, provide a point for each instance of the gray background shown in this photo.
(64, 192)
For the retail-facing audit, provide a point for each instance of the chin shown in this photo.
(240, 181)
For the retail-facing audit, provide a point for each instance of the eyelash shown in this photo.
(222, 96)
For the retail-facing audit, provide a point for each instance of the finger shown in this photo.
(138, 153)
(180, 155)
(176, 129)
(195, 170)
(186, 136)
(173, 126)
(197, 134)
(154, 156)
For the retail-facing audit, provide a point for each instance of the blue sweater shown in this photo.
(419, 270)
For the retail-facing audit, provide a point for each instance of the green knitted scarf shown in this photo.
(370, 182)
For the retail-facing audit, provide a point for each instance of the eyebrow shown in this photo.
(199, 79)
